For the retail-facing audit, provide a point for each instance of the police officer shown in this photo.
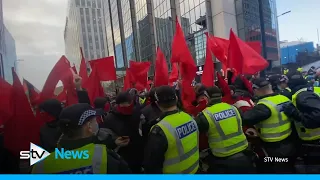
(172, 146)
(284, 87)
(306, 114)
(227, 142)
(274, 127)
(79, 127)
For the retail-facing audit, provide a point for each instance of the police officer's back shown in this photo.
(79, 126)
(172, 146)
(227, 142)
(274, 127)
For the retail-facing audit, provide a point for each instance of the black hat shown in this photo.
(100, 102)
(260, 83)
(201, 91)
(77, 114)
(123, 97)
(214, 92)
(165, 94)
(52, 107)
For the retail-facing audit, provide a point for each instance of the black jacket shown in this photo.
(115, 165)
(257, 114)
(127, 125)
(49, 132)
(286, 93)
(307, 108)
(149, 117)
(156, 148)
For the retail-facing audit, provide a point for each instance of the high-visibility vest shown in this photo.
(96, 164)
(182, 133)
(142, 100)
(225, 133)
(278, 126)
(288, 89)
(305, 133)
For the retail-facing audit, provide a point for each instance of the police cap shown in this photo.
(260, 83)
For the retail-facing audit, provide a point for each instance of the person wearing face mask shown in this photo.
(272, 124)
(172, 146)
(227, 142)
(79, 127)
(124, 121)
(49, 132)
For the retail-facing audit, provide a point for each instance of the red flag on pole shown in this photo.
(105, 67)
(188, 69)
(128, 79)
(243, 58)
(161, 70)
(56, 74)
(139, 72)
(83, 72)
(6, 105)
(23, 127)
(207, 78)
(174, 75)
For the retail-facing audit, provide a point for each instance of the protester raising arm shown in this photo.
(83, 96)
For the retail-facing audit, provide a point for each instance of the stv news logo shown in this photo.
(36, 154)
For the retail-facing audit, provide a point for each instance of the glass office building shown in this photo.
(135, 28)
(249, 25)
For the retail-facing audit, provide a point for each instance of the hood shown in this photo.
(52, 107)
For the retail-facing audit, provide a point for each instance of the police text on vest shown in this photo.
(275, 160)
(224, 114)
(186, 129)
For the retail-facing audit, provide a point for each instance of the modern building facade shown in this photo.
(290, 50)
(8, 56)
(135, 28)
(249, 14)
(85, 27)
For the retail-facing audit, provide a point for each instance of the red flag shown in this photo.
(161, 70)
(139, 72)
(56, 74)
(62, 97)
(74, 69)
(105, 67)
(255, 45)
(93, 85)
(207, 78)
(32, 92)
(127, 84)
(6, 105)
(83, 72)
(243, 58)
(69, 88)
(182, 55)
(23, 127)
(188, 69)
(174, 75)
(219, 47)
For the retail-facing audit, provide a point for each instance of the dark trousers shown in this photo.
(282, 149)
(240, 163)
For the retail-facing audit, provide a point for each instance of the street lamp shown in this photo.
(287, 12)
(283, 13)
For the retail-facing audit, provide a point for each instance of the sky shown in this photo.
(37, 27)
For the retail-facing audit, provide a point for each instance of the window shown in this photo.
(87, 11)
(83, 2)
(99, 12)
(99, 3)
(81, 11)
(94, 4)
(89, 3)
(77, 2)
